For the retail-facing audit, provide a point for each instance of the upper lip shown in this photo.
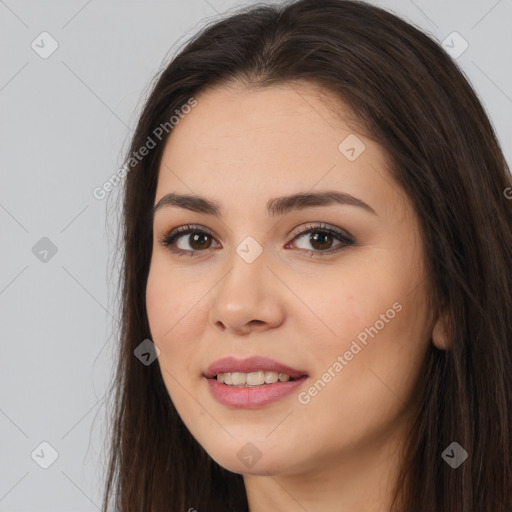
(251, 364)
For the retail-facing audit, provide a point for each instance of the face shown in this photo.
(334, 289)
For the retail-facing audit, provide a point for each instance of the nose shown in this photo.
(247, 298)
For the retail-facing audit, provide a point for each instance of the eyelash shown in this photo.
(169, 239)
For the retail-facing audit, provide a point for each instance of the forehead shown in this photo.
(238, 120)
(241, 142)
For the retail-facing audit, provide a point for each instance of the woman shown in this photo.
(317, 242)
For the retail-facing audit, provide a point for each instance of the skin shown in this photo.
(241, 147)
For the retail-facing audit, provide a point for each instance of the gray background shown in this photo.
(65, 124)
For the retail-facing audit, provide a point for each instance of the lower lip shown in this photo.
(252, 397)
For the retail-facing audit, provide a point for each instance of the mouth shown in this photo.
(253, 382)
(241, 394)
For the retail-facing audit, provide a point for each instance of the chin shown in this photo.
(248, 459)
(260, 468)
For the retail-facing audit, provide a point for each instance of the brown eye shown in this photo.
(200, 241)
(194, 240)
(322, 239)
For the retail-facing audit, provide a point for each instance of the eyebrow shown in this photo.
(276, 206)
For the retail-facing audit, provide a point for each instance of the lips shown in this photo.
(251, 364)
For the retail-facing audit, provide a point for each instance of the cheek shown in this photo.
(173, 309)
(378, 288)
(345, 301)
(374, 317)
(367, 390)
(172, 304)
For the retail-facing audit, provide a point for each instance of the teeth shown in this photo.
(251, 379)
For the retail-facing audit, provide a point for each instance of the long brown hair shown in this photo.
(410, 97)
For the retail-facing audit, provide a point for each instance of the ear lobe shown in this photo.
(440, 337)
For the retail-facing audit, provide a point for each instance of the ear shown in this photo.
(440, 336)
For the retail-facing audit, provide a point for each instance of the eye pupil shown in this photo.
(199, 236)
(323, 245)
